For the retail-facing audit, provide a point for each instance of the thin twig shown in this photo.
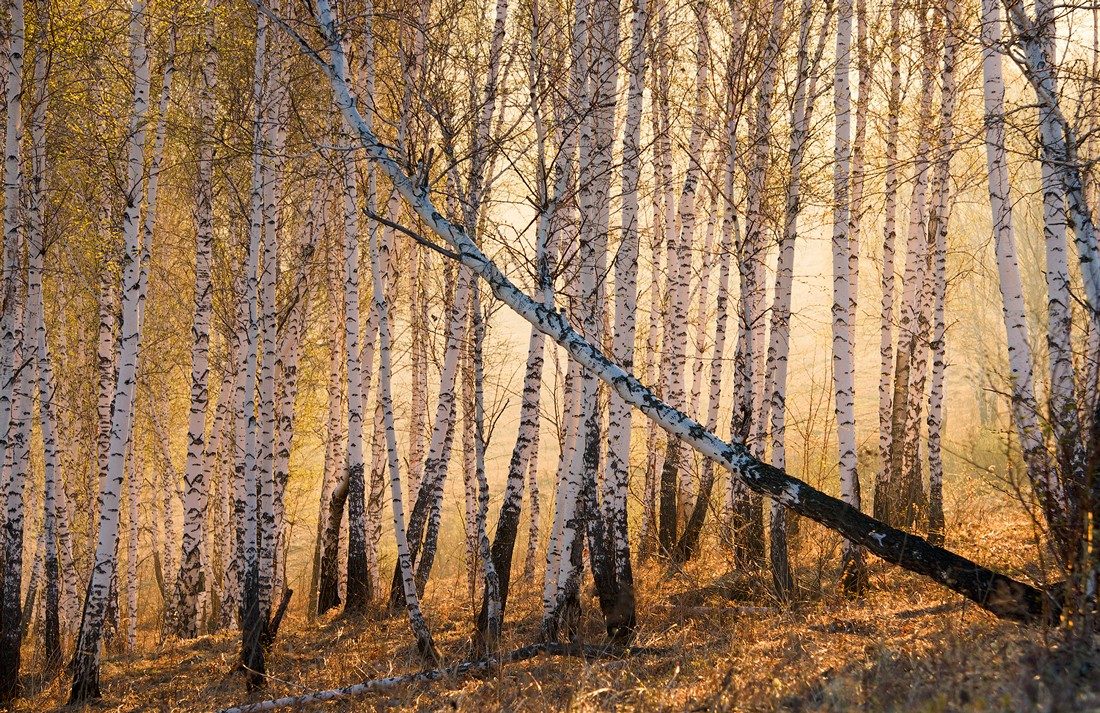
(412, 234)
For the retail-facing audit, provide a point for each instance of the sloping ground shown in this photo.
(907, 645)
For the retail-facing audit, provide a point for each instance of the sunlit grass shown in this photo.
(907, 645)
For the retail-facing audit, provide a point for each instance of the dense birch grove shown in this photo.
(309, 309)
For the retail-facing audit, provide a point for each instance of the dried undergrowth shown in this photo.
(907, 645)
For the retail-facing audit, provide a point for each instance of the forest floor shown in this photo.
(906, 645)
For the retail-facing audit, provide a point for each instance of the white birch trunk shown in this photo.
(561, 566)
(85, 666)
(675, 337)
(36, 253)
(1064, 419)
(886, 329)
(248, 428)
(286, 370)
(419, 626)
(193, 569)
(358, 588)
(936, 524)
(626, 305)
(843, 349)
(133, 494)
(1023, 402)
(780, 330)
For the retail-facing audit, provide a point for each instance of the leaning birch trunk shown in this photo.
(11, 340)
(843, 350)
(193, 574)
(1024, 411)
(994, 592)
(936, 524)
(85, 666)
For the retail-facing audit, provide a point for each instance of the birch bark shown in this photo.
(675, 477)
(843, 350)
(886, 330)
(12, 403)
(1023, 402)
(1064, 419)
(85, 666)
(936, 524)
(192, 575)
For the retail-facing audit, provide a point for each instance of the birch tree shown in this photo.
(85, 666)
(843, 364)
(675, 476)
(1024, 416)
(192, 575)
(11, 338)
(936, 525)
(886, 331)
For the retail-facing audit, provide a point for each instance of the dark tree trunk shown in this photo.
(11, 610)
(504, 540)
(899, 495)
(688, 544)
(419, 520)
(358, 592)
(748, 531)
(52, 623)
(253, 631)
(328, 584)
(666, 530)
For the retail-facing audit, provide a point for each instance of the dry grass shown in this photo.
(907, 645)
